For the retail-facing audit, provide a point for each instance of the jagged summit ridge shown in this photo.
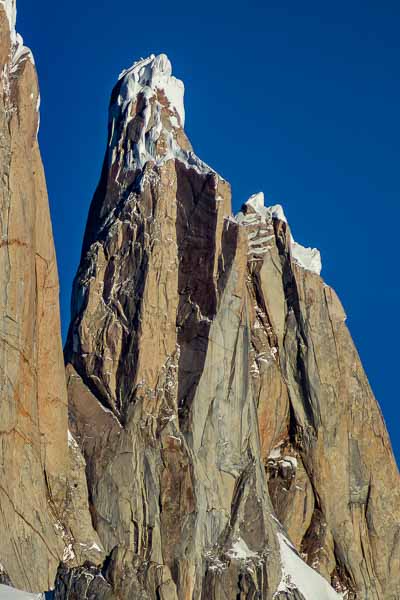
(228, 428)
(147, 118)
(254, 212)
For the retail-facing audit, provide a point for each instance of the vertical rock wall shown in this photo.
(41, 497)
(214, 388)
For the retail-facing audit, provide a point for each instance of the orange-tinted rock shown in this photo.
(42, 488)
(214, 388)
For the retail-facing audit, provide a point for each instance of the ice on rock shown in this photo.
(297, 575)
(307, 258)
(150, 74)
(147, 78)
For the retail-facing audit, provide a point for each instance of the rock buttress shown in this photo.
(43, 492)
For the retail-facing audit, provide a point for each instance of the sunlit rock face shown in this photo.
(234, 448)
(43, 490)
(223, 442)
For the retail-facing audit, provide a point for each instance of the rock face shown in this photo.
(43, 493)
(225, 443)
(234, 448)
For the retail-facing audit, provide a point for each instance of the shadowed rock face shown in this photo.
(42, 482)
(214, 389)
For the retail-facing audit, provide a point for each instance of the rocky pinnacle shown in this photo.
(214, 436)
(234, 448)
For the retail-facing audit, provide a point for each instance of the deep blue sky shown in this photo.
(298, 99)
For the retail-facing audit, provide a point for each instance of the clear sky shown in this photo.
(298, 99)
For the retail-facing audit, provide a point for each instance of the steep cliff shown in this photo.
(43, 494)
(230, 434)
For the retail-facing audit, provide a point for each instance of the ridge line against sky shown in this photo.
(299, 102)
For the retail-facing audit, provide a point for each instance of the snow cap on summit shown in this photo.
(150, 74)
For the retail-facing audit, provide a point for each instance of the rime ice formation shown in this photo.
(221, 441)
(308, 258)
(148, 75)
(149, 100)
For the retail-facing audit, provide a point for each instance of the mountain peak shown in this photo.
(146, 119)
(152, 74)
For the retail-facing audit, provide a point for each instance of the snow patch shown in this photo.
(18, 50)
(290, 460)
(93, 546)
(241, 551)
(308, 258)
(275, 453)
(297, 575)
(9, 593)
(256, 201)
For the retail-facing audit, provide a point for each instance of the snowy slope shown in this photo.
(9, 593)
(296, 574)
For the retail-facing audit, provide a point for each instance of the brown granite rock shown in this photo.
(346, 477)
(224, 443)
(41, 496)
(213, 386)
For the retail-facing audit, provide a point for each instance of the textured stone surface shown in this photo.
(40, 495)
(217, 405)
(214, 388)
(346, 479)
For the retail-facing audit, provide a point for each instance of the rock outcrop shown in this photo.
(234, 448)
(44, 515)
(222, 441)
